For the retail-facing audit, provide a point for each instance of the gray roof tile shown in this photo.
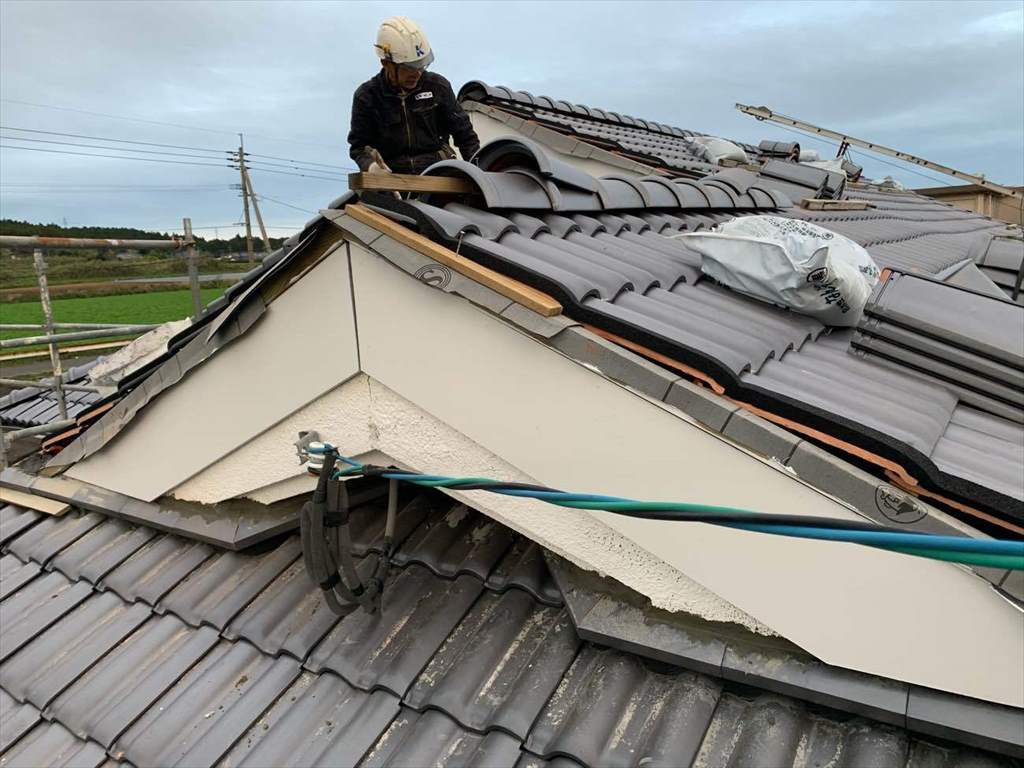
(15, 720)
(51, 745)
(56, 658)
(499, 665)
(319, 721)
(216, 591)
(612, 709)
(289, 616)
(456, 540)
(43, 541)
(523, 567)
(198, 720)
(14, 520)
(125, 683)
(389, 649)
(29, 611)
(156, 568)
(15, 574)
(436, 740)
(101, 550)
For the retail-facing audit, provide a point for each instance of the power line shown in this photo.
(118, 141)
(304, 162)
(100, 146)
(265, 164)
(56, 185)
(282, 202)
(303, 175)
(172, 125)
(115, 157)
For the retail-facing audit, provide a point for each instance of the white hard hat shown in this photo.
(401, 41)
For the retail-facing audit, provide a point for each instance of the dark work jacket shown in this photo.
(410, 132)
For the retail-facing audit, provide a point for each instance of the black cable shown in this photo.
(283, 173)
(118, 141)
(112, 149)
(114, 157)
(304, 162)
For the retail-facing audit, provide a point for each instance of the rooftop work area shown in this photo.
(486, 466)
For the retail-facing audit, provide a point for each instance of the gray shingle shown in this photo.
(14, 520)
(56, 658)
(43, 541)
(196, 721)
(499, 665)
(433, 739)
(389, 649)
(101, 550)
(224, 584)
(611, 709)
(289, 616)
(523, 567)
(51, 745)
(454, 541)
(319, 721)
(156, 568)
(15, 720)
(29, 611)
(111, 695)
(15, 574)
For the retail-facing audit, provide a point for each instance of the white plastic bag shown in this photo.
(789, 262)
(721, 149)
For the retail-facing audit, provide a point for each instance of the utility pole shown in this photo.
(256, 207)
(245, 199)
(193, 269)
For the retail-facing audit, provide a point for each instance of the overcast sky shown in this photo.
(942, 80)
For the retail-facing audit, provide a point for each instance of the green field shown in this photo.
(126, 309)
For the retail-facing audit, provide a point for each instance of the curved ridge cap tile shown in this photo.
(501, 92)
(661, 192)
(545, 101)
(489, 225)
(589, 225)
(690, 194)
(450, 224)
(761, 198)
(734, 178)
(560, 226)
(493, 151)
(780, 199)
(640, 189)
(474, 90)
(550, 188)
(720, 195)
(470, 171)
(579, 200)
(529, 226)
(524, 97)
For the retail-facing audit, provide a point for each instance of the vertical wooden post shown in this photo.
(193, 269)
(44, 297)
(245, 199)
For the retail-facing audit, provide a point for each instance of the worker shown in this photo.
(402, 117)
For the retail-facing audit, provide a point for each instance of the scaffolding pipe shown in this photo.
(83, 326)
(52, 339)
(37, 241)
(44, 297)
(46, 385)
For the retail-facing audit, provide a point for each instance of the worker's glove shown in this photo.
(377, 164)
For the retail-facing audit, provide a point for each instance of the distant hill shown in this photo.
(235, 244)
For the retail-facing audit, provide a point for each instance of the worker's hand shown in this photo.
(377, 165)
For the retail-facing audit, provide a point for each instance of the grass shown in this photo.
(93, 266)
(126, 309)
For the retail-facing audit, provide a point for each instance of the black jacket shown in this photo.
(411, 133)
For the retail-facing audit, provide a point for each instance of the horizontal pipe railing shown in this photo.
(38, 241)
(46, 385)
(122, 330)
(83, 326)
